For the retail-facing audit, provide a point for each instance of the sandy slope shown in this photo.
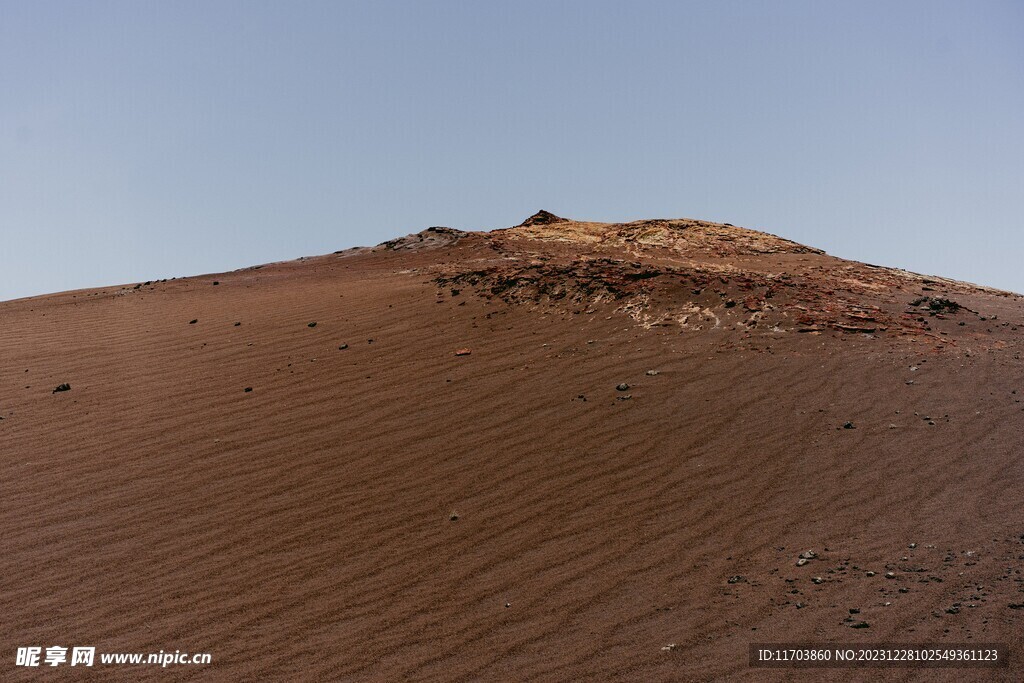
(304, 530)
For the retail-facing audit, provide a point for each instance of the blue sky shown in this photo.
(143, 140)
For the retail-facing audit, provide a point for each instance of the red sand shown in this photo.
(393, 510)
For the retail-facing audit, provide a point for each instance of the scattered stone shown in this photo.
(62, 387)
(869, 574)
(860, 624)
(854, 610)
(848, 425)
(507, 605)
(463, 352)
(652, 373)
(801, 562)
(453, 517)
(622, 387)
(890, 575)
(313, 324)
(669, 647)
(737, 579)
(808, 555)
(953, 610)
(248, 389)
(343, 347)
(193, 321)
(625, 397)
(912, 546)
(817, 580)
(216, 282)
(1016, 605)
(237, 324)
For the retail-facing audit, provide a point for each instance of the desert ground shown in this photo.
(563, 451)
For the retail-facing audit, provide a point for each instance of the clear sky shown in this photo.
(143, 140)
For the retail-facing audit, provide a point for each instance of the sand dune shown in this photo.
(378, 508)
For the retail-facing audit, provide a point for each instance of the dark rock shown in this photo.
(193, 321)
(311, 324)
(848, 425)
(622, 387)
(62, 387)
(936, 304)
(248, 389)
(343, 347)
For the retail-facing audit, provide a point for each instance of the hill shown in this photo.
(564, 450)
